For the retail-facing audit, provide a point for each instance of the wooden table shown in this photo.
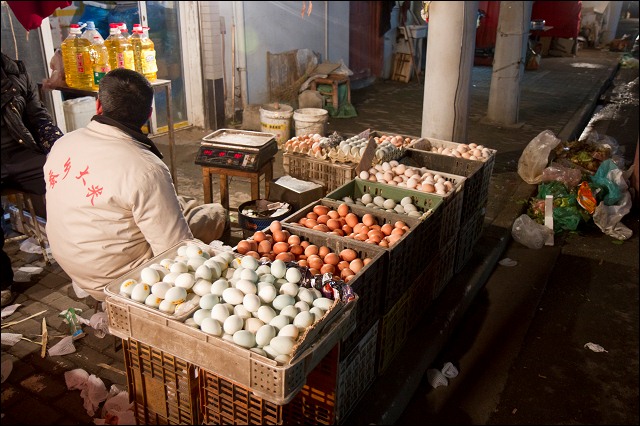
(334, 80)
(224, 173)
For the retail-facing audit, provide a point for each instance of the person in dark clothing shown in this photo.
(28, 132)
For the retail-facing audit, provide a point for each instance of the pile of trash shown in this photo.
(585, 181)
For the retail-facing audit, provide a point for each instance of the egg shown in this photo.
(201, 314)
(201, 287)
(179, 267)
(185, 280)
(176, 295)
(282, 300)
(252, 302)
(279, 321)
(159, 289)
(283, 345)
(253, 324)
(289, 288)
(241, 311)
(301, 305)
(305, 295)
(265, 334)
(244, 338)
(149, 275)
(290, 311)
(266, 314)
(127, 287)
(195, 262)
(232, 295)
(211, 326)
(208, 301)
(232, 324)
(271, 353)
(140, 292)
(167, 307)
(323, 303)
(317, 313)
(153, 301)
(303, 320)
(246, 286)
(171, 277)
(220, 312)
(289, 330)
(278, 268)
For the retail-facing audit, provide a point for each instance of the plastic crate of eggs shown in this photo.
(471, 151)
(312, 144)
(419, 179)
(172, 283)
(390, 147)
(265, 307)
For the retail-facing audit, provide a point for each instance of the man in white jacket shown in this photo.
(111, 203)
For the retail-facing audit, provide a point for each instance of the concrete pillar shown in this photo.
(508, 61)
(612, 18)
(450, 53)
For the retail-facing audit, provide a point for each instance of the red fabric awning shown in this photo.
(31, 13)
(563, 16)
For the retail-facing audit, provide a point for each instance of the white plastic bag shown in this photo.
(535, 157)
(530, 233)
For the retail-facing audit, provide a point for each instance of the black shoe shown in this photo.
(8, 297)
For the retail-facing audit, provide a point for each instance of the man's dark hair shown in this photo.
(126, 96)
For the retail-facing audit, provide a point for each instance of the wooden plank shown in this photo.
(402, 66)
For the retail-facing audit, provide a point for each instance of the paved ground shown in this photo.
(558, 97)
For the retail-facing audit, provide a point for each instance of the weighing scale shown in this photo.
(237, 149)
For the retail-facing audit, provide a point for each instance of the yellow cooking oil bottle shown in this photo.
(98, 53)
(77, 61)
(119, 49)
(144, 52)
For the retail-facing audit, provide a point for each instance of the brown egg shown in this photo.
(323, 218)
(338, 232)
(305, 244)
(275, 226)
(333, 224)
(293, 239)
(332, 259)
(312, 215)
(375, 239)
(310, 223)
(343, 209)
(280, 247)
(345, 273)
(348, 278)
(360, 228)
(356, 265)
(383, 243)
(264, 246)
(296, 249)
(323, 251)
(315, 261)
(367, 260)
(320, 209)
(348, 254)
(302, 262)
(368, 219)
(321, 227)
(386, 228)
(253, 254)
(347, 229)
(399, 224)
(243, 247)
(311, 249)
(342, 264)
(393, 238)
(259, 236)
(397, 231)
(361, 237)
(333, 214)
(352, 219)
(314, 271)
(285, 256)
(327, 268)
(278, 237)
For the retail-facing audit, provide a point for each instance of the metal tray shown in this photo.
(241, 138)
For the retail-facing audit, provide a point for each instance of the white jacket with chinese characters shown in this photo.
(111, 205)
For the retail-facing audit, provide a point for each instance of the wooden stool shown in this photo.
(21, 198)
(334, 80)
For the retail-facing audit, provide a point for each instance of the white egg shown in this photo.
(265, 334)
(259, 351)
(185, 280)
(279, 321)
(220, 312)
(289, 330)
(249, 262)
(323, 303)
(232, 324)
(364, 175)
(182, 250)
(249, 275)
(216, 264)
(315, 292)
(203, 271)
(282, 300)
(305, 295)
(317, 313)
(283, 345)
(253, 324)
(267, 293)
(278, 268)
(247, 287)
(202, 287)
(266, 313)
(289, 288)
(268, 278)
(241, 311)
(263, 270)
(153, 301)
(149, 275)
(211, 326)
(140, 292)
(303, 320)
(367, 198)
(389, 203)
(227, 337)
(201, 314)
(180, 267)
(162, 271)
(127, 286)
(232, 295)
(166, 263)
(252, 302)
(227, 255)
(175, 295)
(290, 311)
(208, 301)
(159, 289)
(271, 353)
(219, 285)
(171, 277)
(378, 201)
(293, 275)
(192, 250)
(167, 307)
(302, 306)
(236, 273)
(244, 338)
(195, 262)
(191, 323)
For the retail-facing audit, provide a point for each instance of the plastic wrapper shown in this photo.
(569, 176)
(530, 233)
(57, 72)
(535, 157)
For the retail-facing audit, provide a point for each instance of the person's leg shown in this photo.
(25, 174)
(6, 272)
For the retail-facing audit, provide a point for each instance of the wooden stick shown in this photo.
(45, 333)
(24, 319)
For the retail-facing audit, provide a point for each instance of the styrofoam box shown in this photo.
(78, 112)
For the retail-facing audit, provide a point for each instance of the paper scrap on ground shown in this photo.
(92, 388)
(117, 410)
(10, 338)
(508, 262)
(100, 323)
(594, 347)
(436, 378)
(10, 309)
(30, 245)
(449, 370)
(63, 347)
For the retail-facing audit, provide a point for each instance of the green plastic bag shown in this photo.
(567, 213)
(604, 188)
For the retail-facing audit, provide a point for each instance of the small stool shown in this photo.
(334, 80)
(21, 198)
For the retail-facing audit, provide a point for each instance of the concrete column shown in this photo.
(450, 53)
(612, 18)
(508, 61)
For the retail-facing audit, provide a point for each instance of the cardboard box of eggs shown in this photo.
(260, 306)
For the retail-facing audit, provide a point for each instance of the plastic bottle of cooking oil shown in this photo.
(144, 52)
(98, 53)
(123, 30)
(119, 48)
(77, 61)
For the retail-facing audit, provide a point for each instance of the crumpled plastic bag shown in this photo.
(100, 324)
(556, 172)
(57, 72)
(117, 410)
(92, 388)
(607, 217)
(535, 157)
(530, 233)
(606, 189)
(64, 347)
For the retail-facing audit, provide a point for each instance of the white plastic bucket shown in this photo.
(276, 119)
(78, 112)
(310, 121)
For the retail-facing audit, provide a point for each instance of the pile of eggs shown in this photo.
(287, 247)
(260, 307)
(344, 223)
(470, 151)
(390, 147)
(306, 144)
(174, 285)
(378, 202)
(420, 179)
